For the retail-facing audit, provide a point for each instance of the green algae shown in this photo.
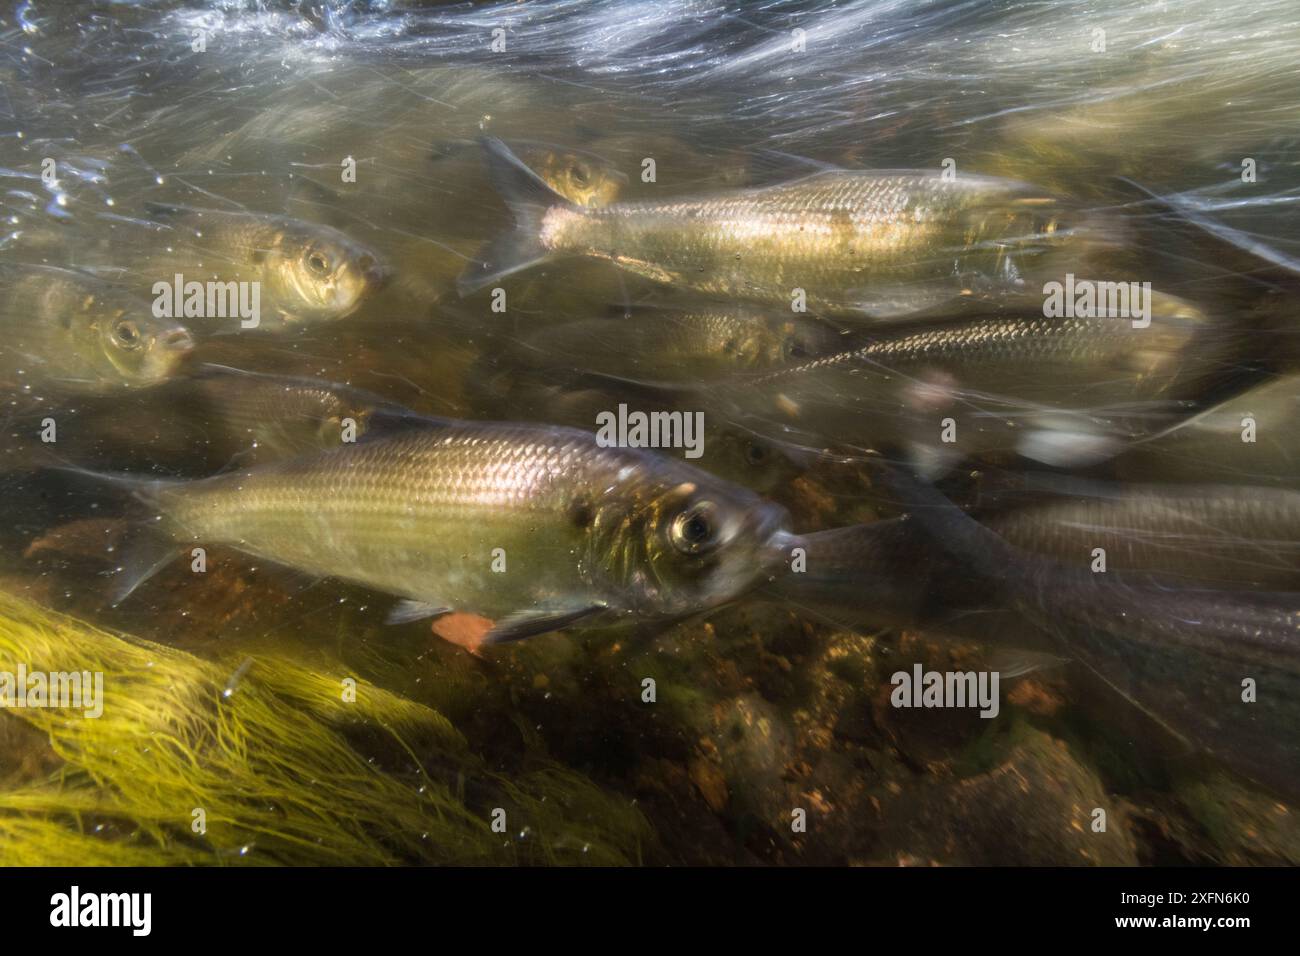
(279, 764)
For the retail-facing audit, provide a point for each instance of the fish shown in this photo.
(734, 454)
(879, 573)
(1249, 438)
(67, 332)
(669, 345)
(1226, 536)
(874, 244)
(282, 416)
(1062, 391)
(536, 528)
(1179, 655)
(201, 422)
(306, 273)
(581, 177)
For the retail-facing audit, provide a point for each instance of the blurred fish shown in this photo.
(1178, 654)
(199, 423)
(69, 332)
(279, 416)
(668, 345)
(1249, 438)
(534, 527)
(881, 574)
(1058, 390)
(580, 176)
(880, 244)
(680, 163)
(307, 272)
(1218, 535)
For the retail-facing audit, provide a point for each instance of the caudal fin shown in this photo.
(528, 198)
(144, 546)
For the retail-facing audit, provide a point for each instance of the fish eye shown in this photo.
(318, 263)
(755, 453)
(695, 529)
(578, 173)
(795, 349)
(127, 334)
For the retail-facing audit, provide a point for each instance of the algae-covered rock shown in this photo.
(1037, 805)
(1244, 826)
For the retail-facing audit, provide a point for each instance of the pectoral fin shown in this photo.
(143, 555)
(522, 624)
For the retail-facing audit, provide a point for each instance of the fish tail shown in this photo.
(528, 198)
(147, 545)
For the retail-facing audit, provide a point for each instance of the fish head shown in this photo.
(691, 542)
(318, 274)
(132, 346)
(582, 179)
(1164, 346)
(749, 459)
(802, 341)
(750, 345)
(760, 343)
(1011, 226)
(1028, 224)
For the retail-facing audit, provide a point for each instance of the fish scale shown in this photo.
(997, 377)
(1215, 533)
(876, 244)
(420, 513)
(834, 232)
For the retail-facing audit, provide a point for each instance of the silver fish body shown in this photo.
(879, 244)
(1215, 535)
(509, 522)
(1063, 391)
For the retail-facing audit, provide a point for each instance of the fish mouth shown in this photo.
(177, 343)
(168, 354)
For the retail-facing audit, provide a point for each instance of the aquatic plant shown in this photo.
(287, 765)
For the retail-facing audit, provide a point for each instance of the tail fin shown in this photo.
(528, 198)
(145, 547)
